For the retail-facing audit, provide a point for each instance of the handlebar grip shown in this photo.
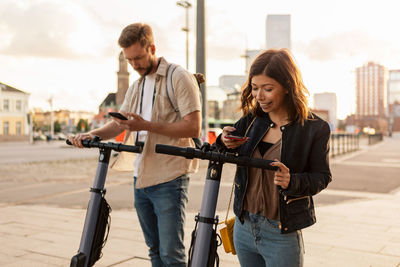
(171, 150)
(114, 146)
(263, 164)
(133, 149)
(85, 143)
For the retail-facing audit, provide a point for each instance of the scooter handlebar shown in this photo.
(190, 153)
(172, 150)
(114, 146)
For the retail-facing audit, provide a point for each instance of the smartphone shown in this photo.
(117, 115)
(236, 138)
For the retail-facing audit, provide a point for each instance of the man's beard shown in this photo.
(149, 68)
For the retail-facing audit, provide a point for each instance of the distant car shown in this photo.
(37, 136)
(60, 136)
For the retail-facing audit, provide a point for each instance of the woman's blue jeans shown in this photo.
(259, 242)
(161, 212)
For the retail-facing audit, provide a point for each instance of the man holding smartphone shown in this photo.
(160, 181)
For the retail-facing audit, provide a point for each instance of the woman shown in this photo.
(272, 207)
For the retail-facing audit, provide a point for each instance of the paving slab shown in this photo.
(346, 234)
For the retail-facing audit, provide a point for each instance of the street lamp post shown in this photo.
(201, 61)
(50, 100)
(186, 4)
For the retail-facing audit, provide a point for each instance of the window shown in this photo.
(6, 105)
(18, 105)
(5, 128)
(18, 128)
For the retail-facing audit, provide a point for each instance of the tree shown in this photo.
(82, 126)
(57, 127)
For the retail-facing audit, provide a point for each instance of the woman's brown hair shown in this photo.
(278, 65)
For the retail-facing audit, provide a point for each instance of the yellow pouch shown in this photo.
(227, 236)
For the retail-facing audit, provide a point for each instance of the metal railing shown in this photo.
(374, 138)
(342, 143)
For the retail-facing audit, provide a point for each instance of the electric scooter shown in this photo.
(203, 250)
(97, 219)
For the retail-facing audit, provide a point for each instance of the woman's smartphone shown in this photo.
(117, 115)
(236, 138)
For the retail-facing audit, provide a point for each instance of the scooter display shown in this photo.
(203, 250)
(97, 219)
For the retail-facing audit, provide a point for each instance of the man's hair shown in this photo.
(137, 32)
(280, 66)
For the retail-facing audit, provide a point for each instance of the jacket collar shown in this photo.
(256, 133)
(162, 67)
(161, 70)
(272, 124)
(258, 130)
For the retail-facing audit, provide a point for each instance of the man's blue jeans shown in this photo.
(161, 212)
(259, 242)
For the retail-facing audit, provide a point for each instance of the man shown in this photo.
(160, 181)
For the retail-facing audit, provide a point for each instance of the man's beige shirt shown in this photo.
(158, 168)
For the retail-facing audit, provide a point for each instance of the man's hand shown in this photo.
(76, 140)
(188, 126)
(134, 123)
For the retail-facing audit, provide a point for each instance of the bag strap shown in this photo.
(233, 184)
(170, 88)
(171, 94)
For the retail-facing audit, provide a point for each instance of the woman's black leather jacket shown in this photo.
(305, 151)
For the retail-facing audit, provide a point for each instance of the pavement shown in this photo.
(13, 152)
(362, 231)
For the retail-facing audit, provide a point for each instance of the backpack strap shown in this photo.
(172, 98)
(170, 88)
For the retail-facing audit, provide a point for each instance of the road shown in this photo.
(58, 175)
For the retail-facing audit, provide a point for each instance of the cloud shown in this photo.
(49, 29)
(82, 29)
(348, 45)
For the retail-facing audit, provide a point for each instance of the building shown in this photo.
(215, 99)
(394, 86)
(278, 35)
(371, 97)
(231, 82)
(278, 31)
(322, 113)
(113, 101)
(371, 91)
(14, 112)
(67, 120)
(231, 107)
(108, 104)
(327, 101)
(122, 81)
(42, 119)
(250, 55)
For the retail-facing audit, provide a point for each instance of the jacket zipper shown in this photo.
(247, 180)
(284, 195)
(295, 199)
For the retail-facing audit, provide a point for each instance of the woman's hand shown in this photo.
(282, 175)
(229, 143)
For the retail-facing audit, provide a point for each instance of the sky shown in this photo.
(68, 50)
